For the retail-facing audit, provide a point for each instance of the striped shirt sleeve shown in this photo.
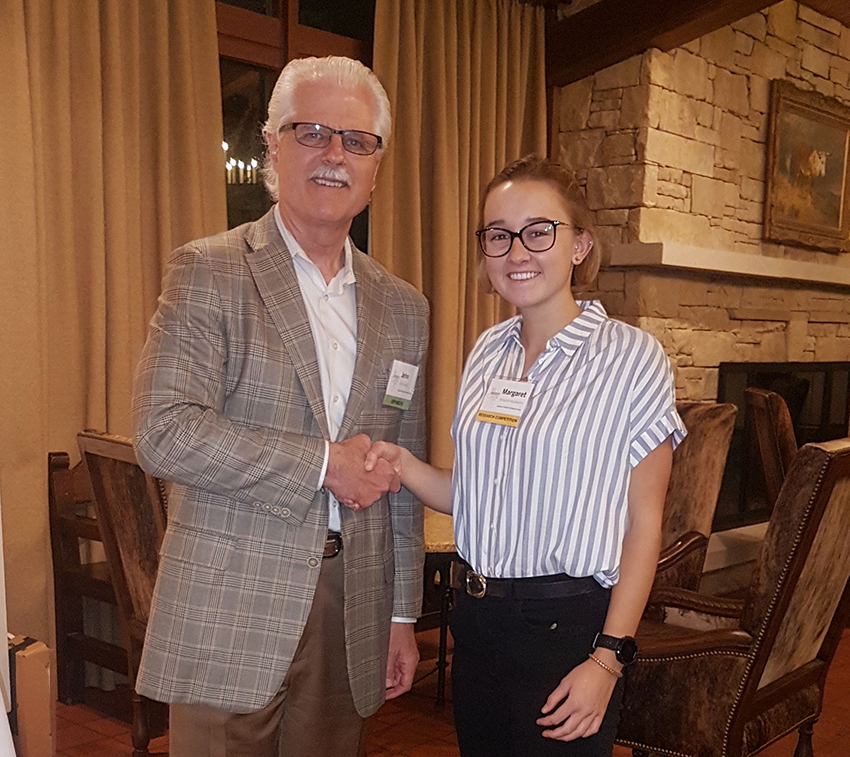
(653, 415)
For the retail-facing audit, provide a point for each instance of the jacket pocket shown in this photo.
(197, 546)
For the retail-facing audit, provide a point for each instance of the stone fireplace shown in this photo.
(671, 149)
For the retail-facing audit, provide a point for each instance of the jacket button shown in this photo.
(267, 507)
(285, 512)
(275, 511)
(313, 562)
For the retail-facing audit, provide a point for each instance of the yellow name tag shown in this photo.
(505, 402)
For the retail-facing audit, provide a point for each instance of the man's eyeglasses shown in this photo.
(536, 237)
(317, 135)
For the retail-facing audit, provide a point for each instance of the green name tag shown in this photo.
(396, 402)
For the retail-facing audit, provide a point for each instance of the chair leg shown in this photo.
(140, 729)
(804, 740)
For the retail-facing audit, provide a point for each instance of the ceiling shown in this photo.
(585, 36)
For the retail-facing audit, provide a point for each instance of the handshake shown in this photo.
(360, 472)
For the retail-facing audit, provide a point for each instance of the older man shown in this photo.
(277, 352)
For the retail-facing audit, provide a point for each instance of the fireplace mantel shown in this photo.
(682, 256)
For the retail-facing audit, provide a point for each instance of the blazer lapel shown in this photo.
(371, 335)
(274, 274)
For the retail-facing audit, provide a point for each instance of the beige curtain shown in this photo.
(466, 82)
(110, 126)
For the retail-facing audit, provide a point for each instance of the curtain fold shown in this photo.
(112, 111)
(466, 81)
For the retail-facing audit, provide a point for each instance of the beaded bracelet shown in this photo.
(601, 664)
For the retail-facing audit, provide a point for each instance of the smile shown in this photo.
(335, 183)
(523, 275)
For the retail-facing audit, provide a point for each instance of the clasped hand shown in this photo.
(382, 458)
(352, 479)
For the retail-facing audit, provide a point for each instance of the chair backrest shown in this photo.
(69, 498)
(131, 511)
(798, 596)
(775, 437)
(697, 472)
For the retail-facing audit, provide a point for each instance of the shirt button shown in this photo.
(312, 562)
(336, 398)
(326, 297)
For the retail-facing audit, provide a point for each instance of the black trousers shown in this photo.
(508, 657)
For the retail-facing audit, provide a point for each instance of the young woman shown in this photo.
(564, 431)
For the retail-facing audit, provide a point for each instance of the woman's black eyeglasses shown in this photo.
(536, 237)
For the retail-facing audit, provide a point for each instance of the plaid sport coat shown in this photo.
(228, 405)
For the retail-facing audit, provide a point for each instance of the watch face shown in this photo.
(627, 652)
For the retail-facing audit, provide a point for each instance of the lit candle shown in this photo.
(254, 165)
(229, 172)
(241, 172)
(225, 146)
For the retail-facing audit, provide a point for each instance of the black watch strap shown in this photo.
(624, 647)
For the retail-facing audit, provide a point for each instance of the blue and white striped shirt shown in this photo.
(550, 496)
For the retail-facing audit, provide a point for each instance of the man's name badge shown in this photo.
(401, 385)
(505, 402)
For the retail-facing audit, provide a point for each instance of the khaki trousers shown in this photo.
(313, 714)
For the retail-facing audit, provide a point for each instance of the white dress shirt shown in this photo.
(332, 312)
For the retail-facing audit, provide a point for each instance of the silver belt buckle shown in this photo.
(476, 584)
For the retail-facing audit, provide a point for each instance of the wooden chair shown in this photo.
(774, 431)
(729, 677)
(131, 510)
(70, 503)
(695, 480)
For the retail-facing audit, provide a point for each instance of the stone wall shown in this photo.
(671, 148)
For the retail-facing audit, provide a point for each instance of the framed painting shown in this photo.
(807, 200)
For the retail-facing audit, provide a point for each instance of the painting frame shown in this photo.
(807, 188)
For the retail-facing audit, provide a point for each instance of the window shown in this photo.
(255, 39)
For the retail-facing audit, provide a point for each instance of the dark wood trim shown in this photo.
(249, 37)
(301, 41)
(611, 31)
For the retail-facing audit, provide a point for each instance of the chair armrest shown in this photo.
(665, 597)
(680, 563)
(674, 553)
(689, 642)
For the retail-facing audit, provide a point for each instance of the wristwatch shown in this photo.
(625, 647)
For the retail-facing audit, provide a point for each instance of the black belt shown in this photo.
(544, 587)
(333, 544)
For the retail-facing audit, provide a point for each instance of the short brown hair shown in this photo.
(534, 168)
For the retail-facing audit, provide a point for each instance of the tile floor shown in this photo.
(413, 727)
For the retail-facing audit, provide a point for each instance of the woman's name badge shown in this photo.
(505, 402)
(401, 385)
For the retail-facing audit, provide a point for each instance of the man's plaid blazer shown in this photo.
(228, 405)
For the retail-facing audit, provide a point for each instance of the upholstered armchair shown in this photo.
(725, 678)
(777, 444)
(695, 479)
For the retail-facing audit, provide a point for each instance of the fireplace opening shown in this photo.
(818, 399)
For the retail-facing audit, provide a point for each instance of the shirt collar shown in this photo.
(574, 334)
(345, 275)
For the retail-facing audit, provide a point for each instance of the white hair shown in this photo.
(343, 72)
